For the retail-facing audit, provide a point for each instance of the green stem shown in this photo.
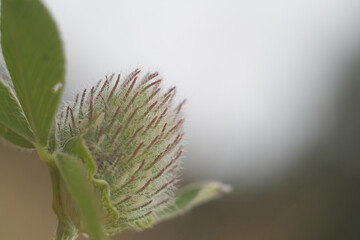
(62, 206)
(43, 154)
(66, 231)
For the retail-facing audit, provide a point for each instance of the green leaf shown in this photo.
(34, 57)
(12, 119)
(191, 196)
(14, 138)
(77, 147)
(77, 181)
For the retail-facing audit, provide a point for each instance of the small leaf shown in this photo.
(191, 196)
(34, 57)
(77, 147)
(14, 138)
(12, 118)
(78, 184)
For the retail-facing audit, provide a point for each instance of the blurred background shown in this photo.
(273, 90)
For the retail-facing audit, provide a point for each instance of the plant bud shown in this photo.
(134, 133)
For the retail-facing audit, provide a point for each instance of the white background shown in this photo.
(260, 76)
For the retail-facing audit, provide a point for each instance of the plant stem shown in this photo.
(66, 231)
(44, 156)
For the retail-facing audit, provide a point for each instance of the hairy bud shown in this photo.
(134, 134)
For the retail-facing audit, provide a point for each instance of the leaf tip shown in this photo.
(223, 188)
(212, 190)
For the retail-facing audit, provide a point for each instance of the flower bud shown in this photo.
(134, 133)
